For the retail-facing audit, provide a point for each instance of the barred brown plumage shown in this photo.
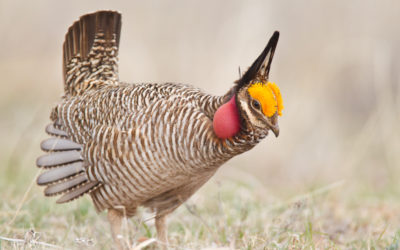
(130, 145)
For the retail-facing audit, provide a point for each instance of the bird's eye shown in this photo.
(256, 104)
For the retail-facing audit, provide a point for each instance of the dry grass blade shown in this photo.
(30, 242)
(313, 193)
(24, 198)
(144, 244)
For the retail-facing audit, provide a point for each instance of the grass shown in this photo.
(225, 213)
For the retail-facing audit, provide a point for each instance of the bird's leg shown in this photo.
(161, 226)
(115, 218)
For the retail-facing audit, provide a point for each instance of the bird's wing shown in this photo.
(136, 157)
(151, 157)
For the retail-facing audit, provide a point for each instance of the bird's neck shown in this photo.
(232, 137)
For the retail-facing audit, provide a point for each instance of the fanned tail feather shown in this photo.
(90, 52)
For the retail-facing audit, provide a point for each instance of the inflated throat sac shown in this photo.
(226, 121)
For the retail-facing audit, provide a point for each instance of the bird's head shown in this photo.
(256, 103)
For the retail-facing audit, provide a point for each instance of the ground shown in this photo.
(225, 213)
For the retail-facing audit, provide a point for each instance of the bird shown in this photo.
(149, 145)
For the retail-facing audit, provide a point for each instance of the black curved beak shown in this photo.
(275, 130)
(273, 124)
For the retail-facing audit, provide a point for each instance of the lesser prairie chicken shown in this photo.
(151, 145)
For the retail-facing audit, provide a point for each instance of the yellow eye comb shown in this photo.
(269, 97)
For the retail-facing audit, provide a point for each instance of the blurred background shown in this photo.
(336, 65)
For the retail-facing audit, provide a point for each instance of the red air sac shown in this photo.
(226, 121)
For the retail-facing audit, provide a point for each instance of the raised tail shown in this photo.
(90, 52)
